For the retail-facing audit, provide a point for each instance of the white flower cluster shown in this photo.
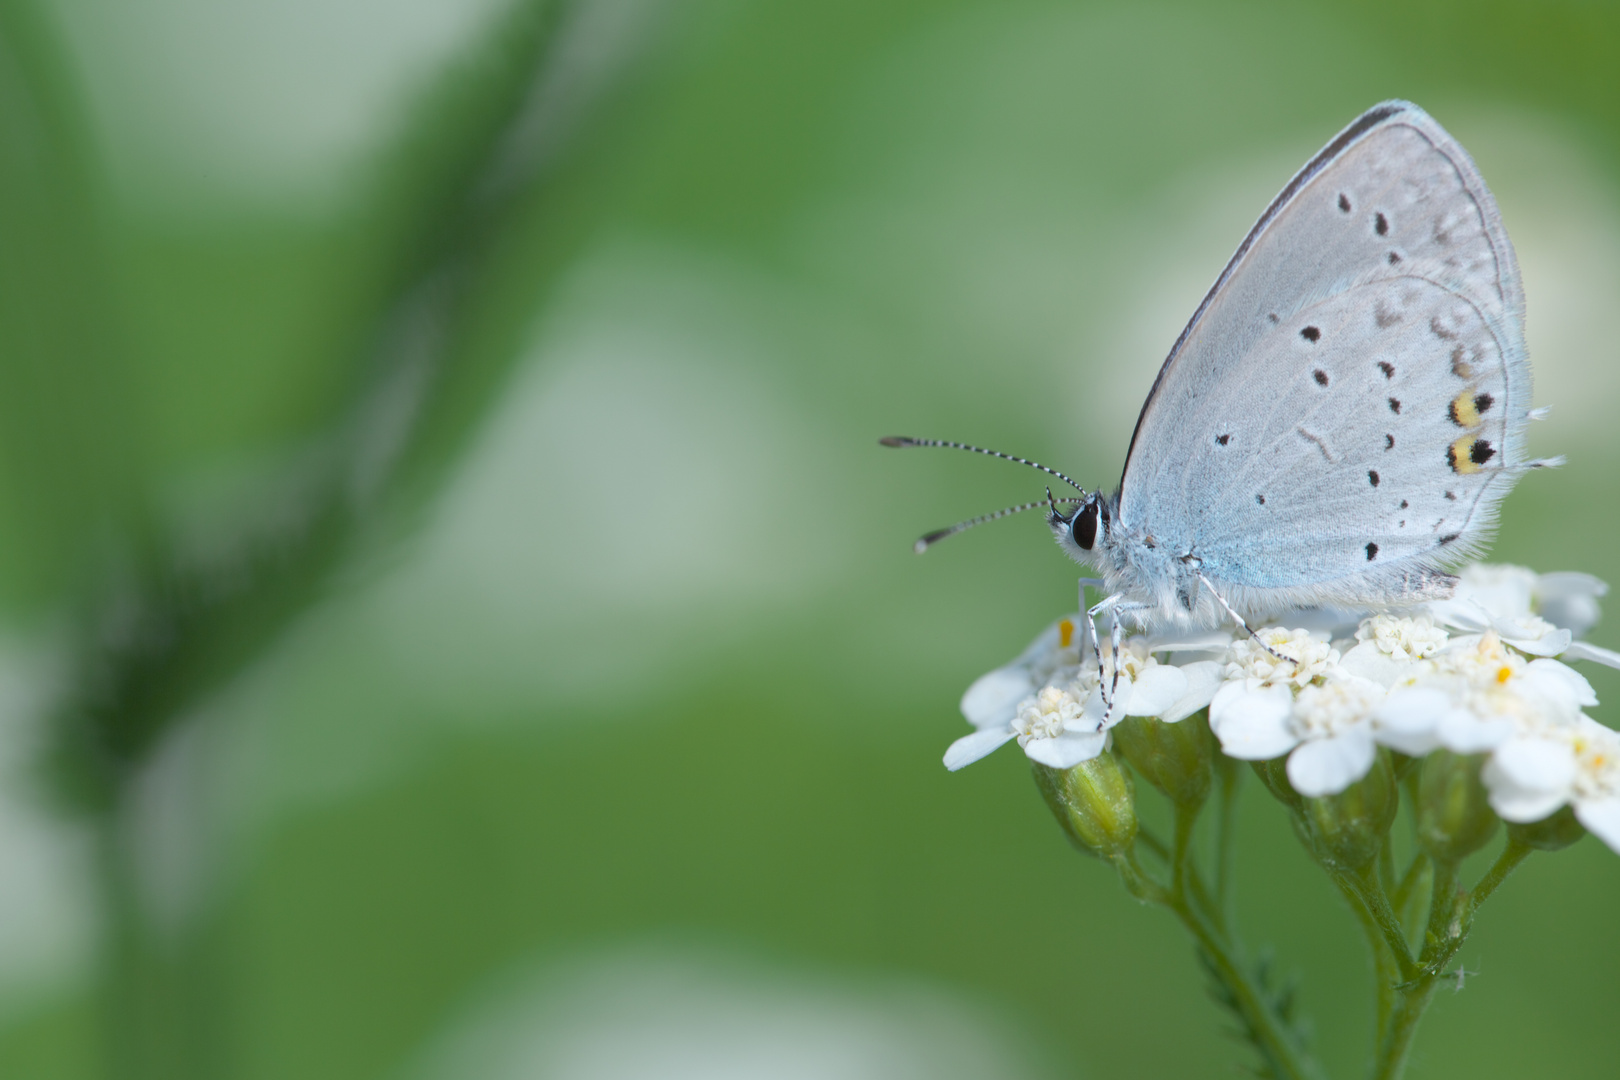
(1481, 673)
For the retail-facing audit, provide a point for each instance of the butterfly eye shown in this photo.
(1084, 527)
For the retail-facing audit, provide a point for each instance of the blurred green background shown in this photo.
(457, 621)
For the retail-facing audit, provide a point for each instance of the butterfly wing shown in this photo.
(1346, 407)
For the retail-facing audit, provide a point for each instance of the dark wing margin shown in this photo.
(1362, 124)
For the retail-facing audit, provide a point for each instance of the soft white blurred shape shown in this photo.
(241, 98)
(664, 1015)
(644, 489)
(46, 917)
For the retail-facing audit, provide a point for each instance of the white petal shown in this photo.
(1328, 766)
(1602, 817)
(1582, 650)
(1523, 807)
(1463, 732)
(1570, 683)
(1515, 803)
(992, 700)
(1551, 643)
(1525, 798)
(970, 748)
(1535, 764)
(1460, 612)
(1407, 719)
(1203, 678)
(1212, 641)
(1066, 751)
(1155, 690)
(1253, 724)
(1368, 661)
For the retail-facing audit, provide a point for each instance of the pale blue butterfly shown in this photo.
(1344, 412)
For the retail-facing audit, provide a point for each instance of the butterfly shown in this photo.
(1344, 412)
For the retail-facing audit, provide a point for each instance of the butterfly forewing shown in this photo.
(1348, 402)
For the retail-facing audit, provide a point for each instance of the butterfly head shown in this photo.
(1080, 528)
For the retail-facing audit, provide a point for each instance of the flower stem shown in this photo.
(1230, 776)
(1268, 1030)
(1366, 893)
(1181, 854)
(1441, 939)
(1410, 888)
(1507, 862)
(1189, 902)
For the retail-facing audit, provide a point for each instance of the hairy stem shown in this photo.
(1507, 862)
(1269, 1031)
(1366, 893)
(1229, 776)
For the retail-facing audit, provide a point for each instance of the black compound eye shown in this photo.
(1084, 527)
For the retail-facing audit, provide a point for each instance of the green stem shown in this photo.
(1439, 939)
(1410, 888)
(1270, 1031)
(1181, 854)
(1365, 891)
(1450, 918)
(1230, 776)
(1386, 967)
(1507, 862)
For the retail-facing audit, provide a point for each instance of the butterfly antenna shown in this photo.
(903, 441)
(926, 542)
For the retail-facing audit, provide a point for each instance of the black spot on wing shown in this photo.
(1481, 452)
(1389, 442)
(1311, 334)
(1394, 258)
(1344, 202)
(1387, 368)
(1483, 403)
(1372, 477)
(1449, 537)
(1380, 224)
(1395, 406)
(1223, 439)
(1320, 376)
(1404, 504)
(1452, 495)
(1372, 551)
(1261, 499)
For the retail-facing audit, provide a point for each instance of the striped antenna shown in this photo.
(926, 542)
(904, 441)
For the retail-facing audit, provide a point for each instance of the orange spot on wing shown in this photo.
(1065, 633)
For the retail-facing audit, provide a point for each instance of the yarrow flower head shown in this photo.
(1303, 658)
(1533, 775)
(1481, 673)
(1402, 637)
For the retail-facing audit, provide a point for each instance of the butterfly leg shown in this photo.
(1107, 604)
(1091, 621)
(1239, 620)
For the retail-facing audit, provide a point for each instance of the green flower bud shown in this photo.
(1175, 758)
(1454, 816)
(1550, 833)
(1348, 829)
(1094, 802)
